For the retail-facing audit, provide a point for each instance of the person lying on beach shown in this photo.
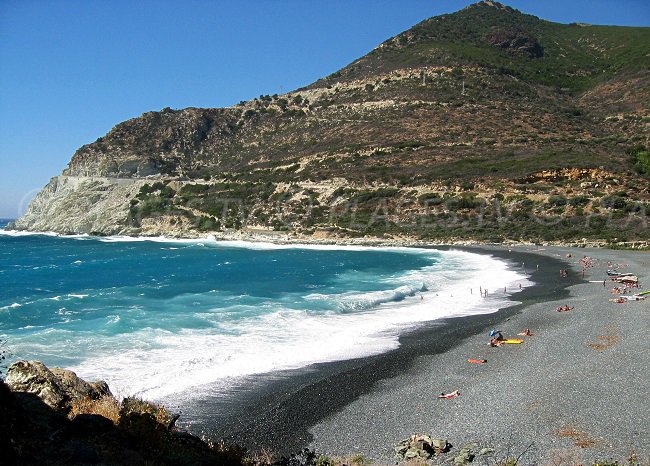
(564, 308)
(453, 394)
(526, 333)
(494, 342)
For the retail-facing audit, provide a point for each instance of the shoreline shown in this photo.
(279, 238)
(279, 415)
(562, 390)
(573, 393)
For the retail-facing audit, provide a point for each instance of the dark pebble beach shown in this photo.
(574, 391)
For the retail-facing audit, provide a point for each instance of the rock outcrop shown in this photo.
(37, 430)
(74, 205)
(56, 387)
(421, 446)
(516, 42)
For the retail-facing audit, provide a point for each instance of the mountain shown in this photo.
(487, 124)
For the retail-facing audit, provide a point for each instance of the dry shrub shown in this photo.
(264, 457)
(158, 412)
(507, 462)
(106, 406)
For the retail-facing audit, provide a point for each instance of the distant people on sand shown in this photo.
(564, 308)
(496, 338)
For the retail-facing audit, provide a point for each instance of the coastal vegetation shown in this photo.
(573, 208)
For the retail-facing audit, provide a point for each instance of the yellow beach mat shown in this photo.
(514, 341)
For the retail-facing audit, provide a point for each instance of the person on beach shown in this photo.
(496, 334)
(526, 333)
(453, 394)
(496, 338)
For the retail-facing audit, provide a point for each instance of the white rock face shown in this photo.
(72, 204)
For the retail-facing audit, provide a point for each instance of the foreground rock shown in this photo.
(56, 387)
(421, 446)
(36, 429)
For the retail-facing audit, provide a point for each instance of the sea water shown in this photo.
(157, 318)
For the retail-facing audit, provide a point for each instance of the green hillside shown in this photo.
(490, 35)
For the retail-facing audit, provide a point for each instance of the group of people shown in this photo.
(620, 289)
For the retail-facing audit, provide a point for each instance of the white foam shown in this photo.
(211, 240)
(11, 306)
(154, 363)
(42, 233)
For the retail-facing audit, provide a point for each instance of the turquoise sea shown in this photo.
(161, 318)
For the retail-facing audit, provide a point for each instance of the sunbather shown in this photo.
(453, 394)
(564, 308)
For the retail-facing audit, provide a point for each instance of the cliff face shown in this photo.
(167, 142)
(71, 205)
(438, 122)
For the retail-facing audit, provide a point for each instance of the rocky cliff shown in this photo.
(445, 130)
(79, 204)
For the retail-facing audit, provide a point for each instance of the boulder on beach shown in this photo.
(421, 446)
(56, 387)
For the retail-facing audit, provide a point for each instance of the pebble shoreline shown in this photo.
(575, 391)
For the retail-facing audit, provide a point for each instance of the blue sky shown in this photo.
(72, 69)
